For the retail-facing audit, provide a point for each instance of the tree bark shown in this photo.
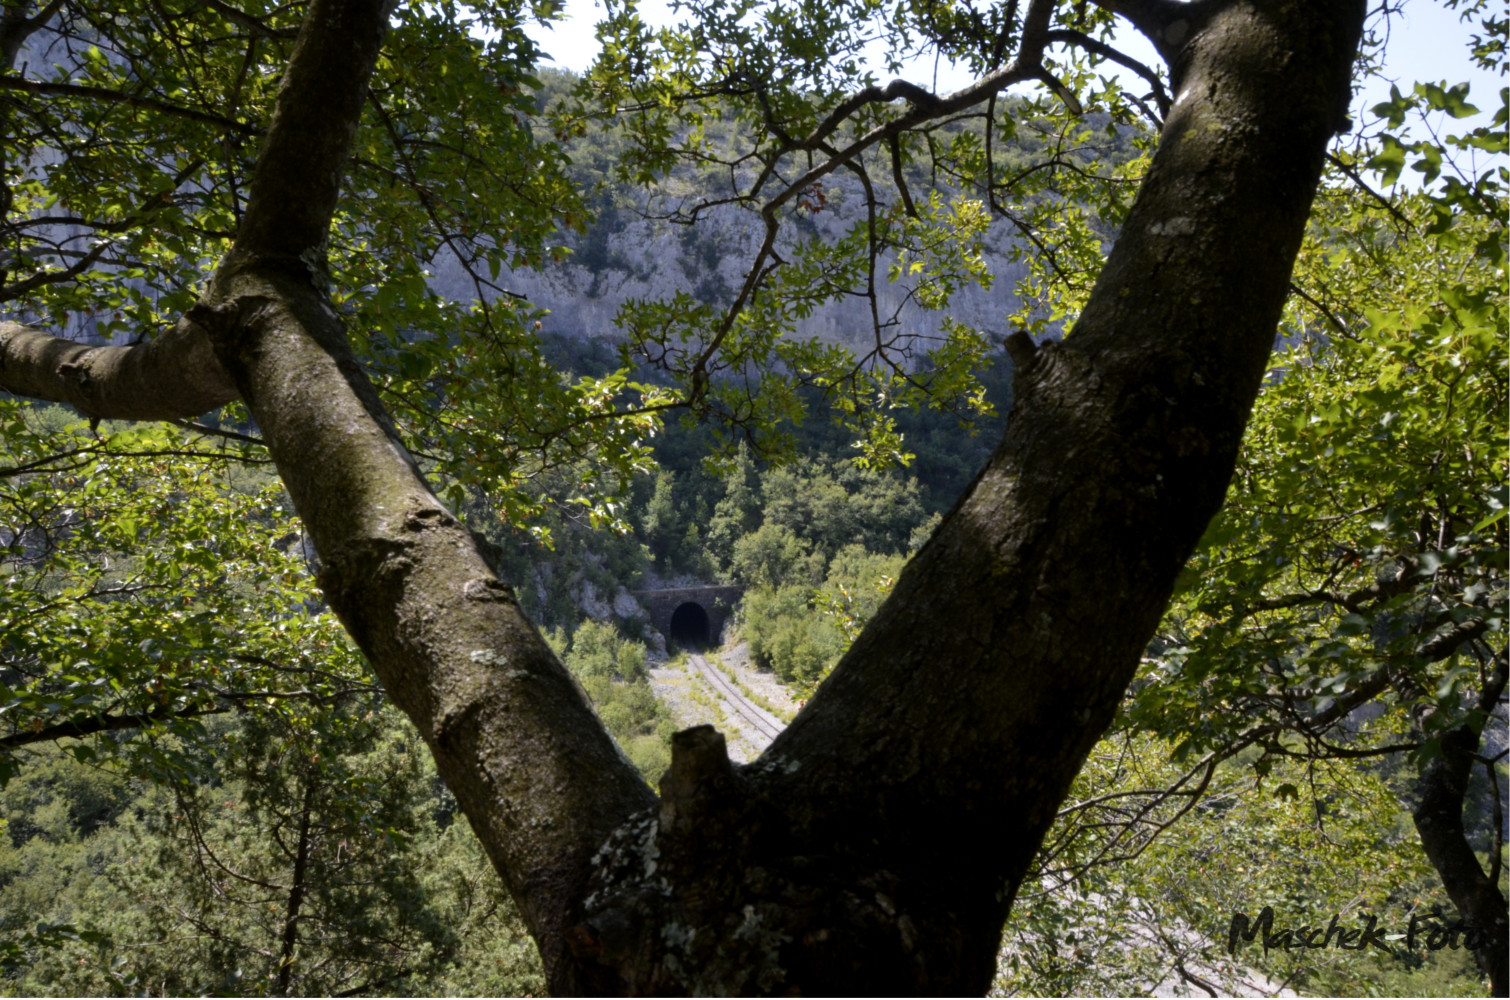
(303, 845)
(1439, 823)
(174, 376)
(877, 846)
(513, 736)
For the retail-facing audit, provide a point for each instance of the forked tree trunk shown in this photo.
(877, 846)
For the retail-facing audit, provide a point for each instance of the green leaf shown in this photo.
(1452, 100)
(1389, 161)
(1393, 111)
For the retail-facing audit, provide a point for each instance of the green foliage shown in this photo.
(1139, 880)
(738, 511)
(612, 671)
(672, 531)
(785, 635)
(1346, 608)
(154, 582)
(124, 174)
(772, 556)
(563, 562)
(1365, 531)
(830, 505)
(155, 590)
(799, 632)
(328, 829)
(715, 126)
(148, 580)
(1456, 183)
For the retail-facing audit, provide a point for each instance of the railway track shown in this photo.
(757, 720)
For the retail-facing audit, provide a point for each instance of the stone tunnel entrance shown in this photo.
(690, 616)
(689, 626)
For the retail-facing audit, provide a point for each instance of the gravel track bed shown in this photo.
(705, 696)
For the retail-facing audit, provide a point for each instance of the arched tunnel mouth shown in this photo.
(689, 626)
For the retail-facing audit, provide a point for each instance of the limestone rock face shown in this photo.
(626, 256)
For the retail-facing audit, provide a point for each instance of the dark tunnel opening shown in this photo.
(689, 626)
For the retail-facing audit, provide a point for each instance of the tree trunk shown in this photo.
(1439, 822)
(878, 844)
(296, 889)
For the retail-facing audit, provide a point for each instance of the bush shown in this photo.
(800, 633)
(613, 673)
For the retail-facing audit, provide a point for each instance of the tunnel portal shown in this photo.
(690, 616)
(689, 626)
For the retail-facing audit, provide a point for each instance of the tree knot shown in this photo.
(487, 589)
(73, 371)
(424, 517)
(223, 322)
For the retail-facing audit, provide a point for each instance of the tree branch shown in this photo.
(242, 19)
(1083, 41)
(1363, 185)
(1162, 22)
(221, 432)
(91, 725)
(1439, 820)
(1354, 601)
(140, 216)
(174, 376)
(104, 94)
(1337, 325)
(1445, 644)
(1003, 652)
(88, 454)
(1026, 66)
(15, 29)
(512, 734)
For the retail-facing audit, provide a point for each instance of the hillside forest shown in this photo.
(205, 788)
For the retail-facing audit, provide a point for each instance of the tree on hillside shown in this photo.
(738, 511)
(879, 843)
(1362, 566)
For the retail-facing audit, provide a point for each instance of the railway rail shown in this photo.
(757, 719)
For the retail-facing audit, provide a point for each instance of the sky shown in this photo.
(1427, 42)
